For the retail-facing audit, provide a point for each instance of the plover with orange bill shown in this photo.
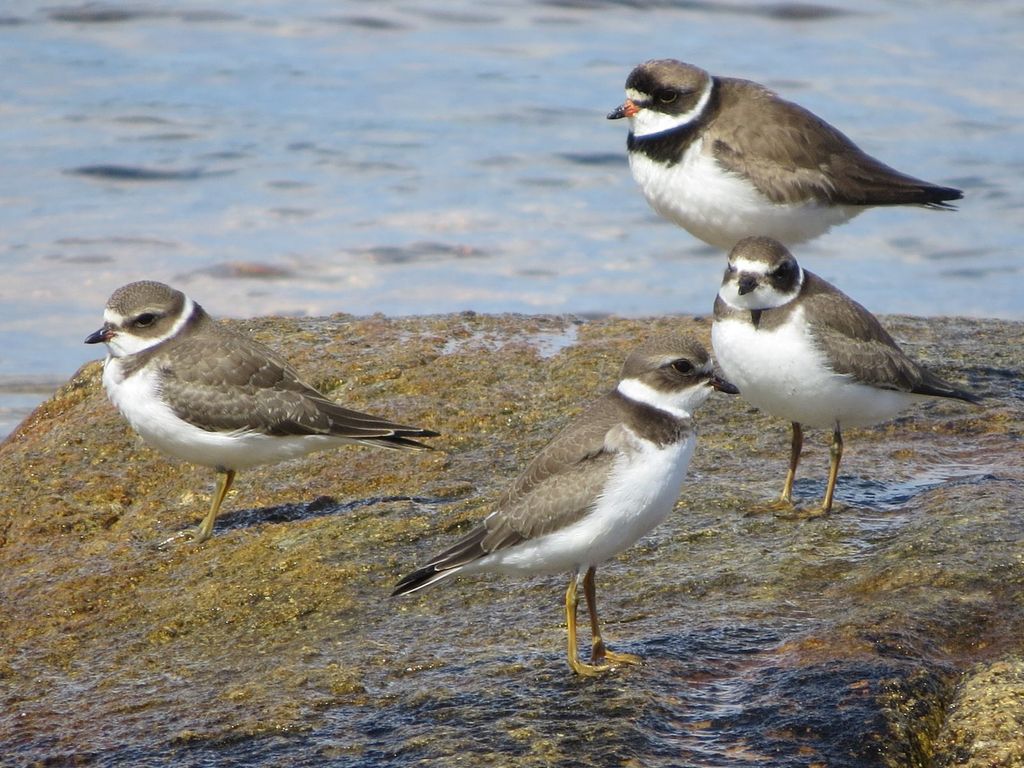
(726, 159)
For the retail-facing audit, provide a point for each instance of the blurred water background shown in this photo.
(317, 156)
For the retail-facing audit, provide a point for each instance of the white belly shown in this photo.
(137, 398)
(721, 208)
(641, 491)
(783, 373)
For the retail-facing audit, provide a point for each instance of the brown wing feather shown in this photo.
(791, 155)
(856, 344)
(526, 517)
(555, 490)
(553, 503)
(230, 382)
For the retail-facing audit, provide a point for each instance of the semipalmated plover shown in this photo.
(800, 349)
(215, 397)
(608, 478)
(727, 159)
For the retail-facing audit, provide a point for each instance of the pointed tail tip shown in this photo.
(942, 196)
(405, 442)
(420, 578)
(970, 397)
(404, 439)
(410, 583)
(965, 395)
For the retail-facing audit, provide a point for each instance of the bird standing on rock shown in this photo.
(609, 477)
(212, 396)
(800, 349)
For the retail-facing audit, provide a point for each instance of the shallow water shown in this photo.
(313, 157)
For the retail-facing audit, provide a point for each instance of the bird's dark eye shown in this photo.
(785, 269)
(144, 320)
(683, 366)
(665, 96)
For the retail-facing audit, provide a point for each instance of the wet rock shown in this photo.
(887, 634)
(985, 725)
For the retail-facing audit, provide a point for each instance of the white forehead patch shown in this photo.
(747, 265)
(648, 122)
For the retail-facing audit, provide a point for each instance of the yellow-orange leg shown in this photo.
(598, 652)
(572, 602)
(795, 449)
(784, 506)
(835, 452)
(225, 477)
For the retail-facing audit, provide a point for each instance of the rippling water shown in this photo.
(405, 158)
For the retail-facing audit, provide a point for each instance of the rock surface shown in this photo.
(889, 633)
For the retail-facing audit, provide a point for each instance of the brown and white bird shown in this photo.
(212, 396)
(726, 159)
(800, 349)
(609, 477)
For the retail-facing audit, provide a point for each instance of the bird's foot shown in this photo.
(589, 670)
(196, 535)
(779, 508)
(615, 659)
(793, 512)
(602, 660)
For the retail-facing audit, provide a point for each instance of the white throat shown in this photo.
(681, 403)
(648, 122)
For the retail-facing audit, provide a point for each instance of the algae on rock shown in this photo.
(881, 635)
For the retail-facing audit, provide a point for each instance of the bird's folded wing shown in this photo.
(243, 386)
(562, 482)
(550, 505)
(557, 488)
(791, 156)
(858, 346)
